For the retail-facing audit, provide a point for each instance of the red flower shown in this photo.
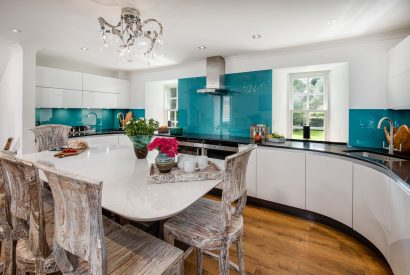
(168, 146)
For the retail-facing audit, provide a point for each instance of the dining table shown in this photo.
(127, 191)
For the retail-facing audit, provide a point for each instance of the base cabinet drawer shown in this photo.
(329, 187)
(281, 176)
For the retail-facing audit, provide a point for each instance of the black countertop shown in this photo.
(399, 168)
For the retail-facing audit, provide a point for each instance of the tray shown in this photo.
(61, 154)
(276, 140)
(212, 172)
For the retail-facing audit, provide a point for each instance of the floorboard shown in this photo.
(277, 243)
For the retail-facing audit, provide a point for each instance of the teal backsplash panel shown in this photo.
(249, 101)
(363, 130)
(106, 118)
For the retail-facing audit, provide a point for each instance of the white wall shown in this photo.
(155, 97)
(367, 59)
(11, 94)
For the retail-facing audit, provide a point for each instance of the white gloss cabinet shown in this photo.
(100, 139)
(372, 206)
(281, 176)
(399, 242)
(99, 100)
(251, 172)
(58, 98)
(399, 75)
(329, 187)
(57, 78)
(98, 83)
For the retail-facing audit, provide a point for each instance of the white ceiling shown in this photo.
(61, 27)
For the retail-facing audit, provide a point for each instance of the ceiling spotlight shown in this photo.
(202, 47)
(84, 48)
(15, 30)
(256, 36)
(332, 21)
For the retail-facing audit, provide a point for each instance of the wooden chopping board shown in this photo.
(401, 136)
(62, 154)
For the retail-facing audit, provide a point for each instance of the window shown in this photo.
(172, 105)
(308, 104)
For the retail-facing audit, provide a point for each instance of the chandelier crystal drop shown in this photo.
(132, 37)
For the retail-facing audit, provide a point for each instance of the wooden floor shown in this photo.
(276, 243)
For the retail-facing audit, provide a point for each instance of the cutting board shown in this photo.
(68, 154)
(401, 136)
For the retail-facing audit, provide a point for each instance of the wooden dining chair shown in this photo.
(5, 227)
(51, 136)
(210, 225)
(85, 243)
(32, 217)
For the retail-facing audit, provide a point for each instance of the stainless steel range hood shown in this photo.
(215, 76)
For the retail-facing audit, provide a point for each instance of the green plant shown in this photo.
(141, 126)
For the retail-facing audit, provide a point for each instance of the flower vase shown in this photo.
(164, 163)
(140, 143)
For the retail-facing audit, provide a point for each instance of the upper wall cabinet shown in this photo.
(98, 83)
(58, 98)
(399, 75)
(57, 78)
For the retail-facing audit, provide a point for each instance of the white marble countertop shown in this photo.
(125, 189)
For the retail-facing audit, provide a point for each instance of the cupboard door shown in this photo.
(251, 172)
(371, 206)
(399, 94)
(98, 83)
(399, 243)
(329, 187)
(57, 78)
(99, 100)
(281, 176)
(58, 98)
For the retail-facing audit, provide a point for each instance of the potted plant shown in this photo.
(168, 149)
(140, 132)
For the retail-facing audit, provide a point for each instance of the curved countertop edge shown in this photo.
(397, 172)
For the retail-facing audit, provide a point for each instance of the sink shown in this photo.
(375, 156)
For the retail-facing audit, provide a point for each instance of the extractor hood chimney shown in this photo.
(215, 76)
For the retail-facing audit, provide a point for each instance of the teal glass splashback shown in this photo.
(363, 130)
(249, 101)
(106, 118)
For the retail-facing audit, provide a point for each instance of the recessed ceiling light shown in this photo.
(84, 48)
(202, 47)
(332, 21)
(15, 30)
(256, 36)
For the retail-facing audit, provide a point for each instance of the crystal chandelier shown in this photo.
(132, 37)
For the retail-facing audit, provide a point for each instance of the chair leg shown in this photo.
(224, 261)
(168, 236)
(9, 268)
(198, 261)
(239, 251)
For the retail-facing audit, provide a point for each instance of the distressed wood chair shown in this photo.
(31, 209)
(81, 247)
(210, 225)
(5, 227)
(51, 136)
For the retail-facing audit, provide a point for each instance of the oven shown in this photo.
(210, 148)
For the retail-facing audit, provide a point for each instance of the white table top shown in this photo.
(125, 189)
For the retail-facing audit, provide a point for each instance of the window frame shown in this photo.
(307, 112)
(169, 98)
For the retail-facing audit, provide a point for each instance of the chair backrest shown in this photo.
(234, 185)
(51, 136)
(23, 189)
(78, 226)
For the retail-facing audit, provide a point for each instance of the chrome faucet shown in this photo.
(120, 117)
(379, 126)
(92, 113)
